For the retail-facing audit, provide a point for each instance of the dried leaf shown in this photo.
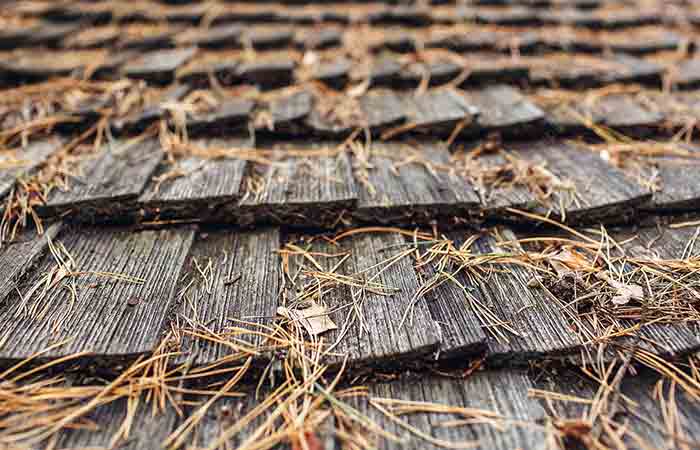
(314, 319)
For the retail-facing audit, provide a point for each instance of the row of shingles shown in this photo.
(606, 18)
(525, 322)
(249, 280)
(638, 113)
(328, 188)
(38, 66)
(503, 393)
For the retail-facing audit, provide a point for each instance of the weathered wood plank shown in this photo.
(674, 177)
(618, 111)
(504, 392)
(504, 109)
(194, 187)
(217, 37)
(267, 74)
(228, 118)
(575, 185)
(521, 322)
(289, 112)
(686, 74)
(109, 298)
(138, 120)
(158, 67)
(579, 71)
(647, 409)
(146, 431)
(293, 189)
(109, 181)
(379, 321)
(405, 184)
(376, 111)
(22, 162)
(20, 255)
(461, 332)
(438, 111)
(242, 284)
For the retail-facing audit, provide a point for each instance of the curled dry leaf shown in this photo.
(314, 318)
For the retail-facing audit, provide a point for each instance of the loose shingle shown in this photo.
(89, 306)
(241, 291)
(109, 181)
(292, 189)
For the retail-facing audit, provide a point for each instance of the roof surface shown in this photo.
(363, 224)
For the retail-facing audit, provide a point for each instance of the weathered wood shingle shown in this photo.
(112, 301)
(380, 323)
(233, 282)
(401, 183)
(504, 392)
(294, 189)
(108, 182)
(196, 187)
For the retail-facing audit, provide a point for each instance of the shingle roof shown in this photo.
(295, 224)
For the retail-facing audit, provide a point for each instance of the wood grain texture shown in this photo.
(503, 108)
(376, 111)
(102, 314)
(398, 185)
(618, 111)
(18, 257)
(146, 431)
(297, 190)
(461, 332)
(20, 163)
(677, 176)
(540, 323)
(585, 188)
(242, 285)
(504, 392)
(639, 389)
(373, 329)
(200, 188)
(109, 181)
(438, 111)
